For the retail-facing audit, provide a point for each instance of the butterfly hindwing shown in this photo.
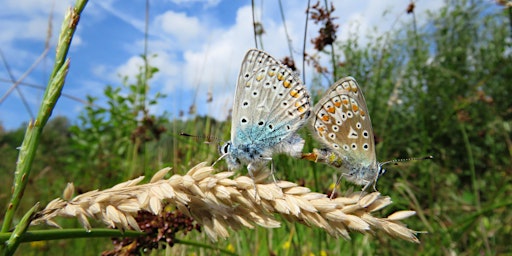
(342, 122)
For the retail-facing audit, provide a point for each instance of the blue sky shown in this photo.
(200, 45)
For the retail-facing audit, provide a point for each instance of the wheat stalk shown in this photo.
(218, 203)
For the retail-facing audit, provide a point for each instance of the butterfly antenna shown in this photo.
(395, 161)
(207, 138)
(220, 158)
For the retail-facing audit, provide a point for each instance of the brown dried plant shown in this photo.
(219, 203)
(327, 33)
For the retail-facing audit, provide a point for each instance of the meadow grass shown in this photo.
(442, 90)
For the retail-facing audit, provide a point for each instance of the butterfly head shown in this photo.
(380, 171)
(226, 151)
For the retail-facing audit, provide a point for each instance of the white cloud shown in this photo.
(130, 67)
(166, 80)
(34, 7)
(178, 25)
(169, 76)
(28, 19)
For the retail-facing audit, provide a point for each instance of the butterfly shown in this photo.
(270, 105)
(341, 121)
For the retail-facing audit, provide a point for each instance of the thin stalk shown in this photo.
(304, 44)
(15, 238)
(254, 25)
(471, 162)
(476, 191)
(33, 133)
(333, 55)
(288, 38)
(70, 233)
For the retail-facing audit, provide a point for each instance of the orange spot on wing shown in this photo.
(337, 104)
(331, 110)
(286, 84)
(294, 93)
(345, 102)
(325, 118)
(355, 108)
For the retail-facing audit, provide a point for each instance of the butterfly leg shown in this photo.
(272, 171)
(250, 169)
(374, 184)
(337, 184)
(366, 186)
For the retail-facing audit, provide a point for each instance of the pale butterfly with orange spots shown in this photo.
(341, 122)
(270, 105)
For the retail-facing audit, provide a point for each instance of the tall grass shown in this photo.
(442, 88)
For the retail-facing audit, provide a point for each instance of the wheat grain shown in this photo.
(219, 203)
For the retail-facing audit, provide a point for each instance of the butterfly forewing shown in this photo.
(270, 101)
(270, 105)
(342, 122)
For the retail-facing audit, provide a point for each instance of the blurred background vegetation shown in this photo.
(442, 89)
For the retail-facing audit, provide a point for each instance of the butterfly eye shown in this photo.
(225, 148)
(381, 171)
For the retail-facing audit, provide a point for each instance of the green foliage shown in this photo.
(114, 141)
(441, 89)
(444, 89)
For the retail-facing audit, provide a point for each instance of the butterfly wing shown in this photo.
(342, 122)
(270, 104)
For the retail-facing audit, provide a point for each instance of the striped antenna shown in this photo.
(396, 161)
(207, 138)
